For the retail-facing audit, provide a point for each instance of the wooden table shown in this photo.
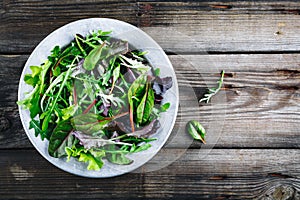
(256, 155)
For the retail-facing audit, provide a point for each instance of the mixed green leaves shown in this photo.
(95, 99)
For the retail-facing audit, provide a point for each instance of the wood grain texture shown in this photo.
(222, 174)
(259, 106)
(200, 26)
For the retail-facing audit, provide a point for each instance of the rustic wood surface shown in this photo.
(253, 139)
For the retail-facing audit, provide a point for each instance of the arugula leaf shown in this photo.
(60, 139)
(56, 71)
(53, 103)
(55, 52)
(213, 91)
(35, 125)
(134, 64)
(90, 142)
(137, 149)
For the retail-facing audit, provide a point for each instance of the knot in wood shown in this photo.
(280, 192)
(4, 124)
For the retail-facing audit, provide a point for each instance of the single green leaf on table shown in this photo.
(196, 130)
(60, 139)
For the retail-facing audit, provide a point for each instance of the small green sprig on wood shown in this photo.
(213, 91)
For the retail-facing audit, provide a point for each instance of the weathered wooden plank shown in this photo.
(178, 26)
(222, 174)
(258, 108)
(24, 22)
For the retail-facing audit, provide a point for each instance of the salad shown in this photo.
(96, 98)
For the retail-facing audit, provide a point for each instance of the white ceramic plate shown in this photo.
(137, 38)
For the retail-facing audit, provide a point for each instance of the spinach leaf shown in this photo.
(69, 111)
(90, 123)
(196, 130)
(146, 131)
(116, 74)
(117, 157)
(157, 72)
(93, 57)
(165, 107)
(103, 53)
(145, 107)
(135, 91)
(60, 139)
